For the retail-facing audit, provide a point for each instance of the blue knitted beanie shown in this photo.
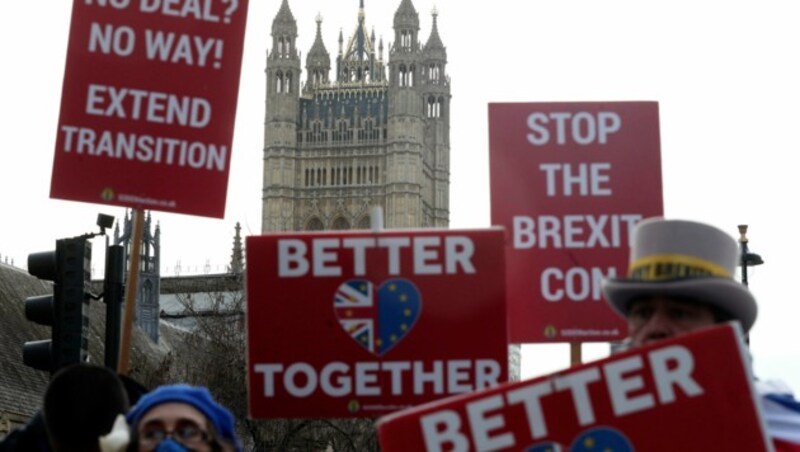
(196, 396)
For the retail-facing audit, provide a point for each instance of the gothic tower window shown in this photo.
(405, 39)
(406, 76)
(315, 224)
(287, 86)
(366, 132)
(434, 107)
(340, 224)
(433, 73)
(279, 82)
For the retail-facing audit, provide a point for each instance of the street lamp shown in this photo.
(747, 258)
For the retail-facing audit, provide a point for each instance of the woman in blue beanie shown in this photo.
(180, 417)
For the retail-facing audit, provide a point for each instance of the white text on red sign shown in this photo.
(583, 127)
(671, 368)
(364, 379)
(432, 255)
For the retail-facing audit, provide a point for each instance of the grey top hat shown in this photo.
(683, 259)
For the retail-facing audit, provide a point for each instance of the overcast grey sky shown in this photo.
(724, 74)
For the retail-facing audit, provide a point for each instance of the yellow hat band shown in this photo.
(671, 266)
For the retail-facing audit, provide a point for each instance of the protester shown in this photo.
(81, 403)
(680, 280)
(180, 417)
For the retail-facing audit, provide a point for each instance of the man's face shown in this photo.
(659, 317)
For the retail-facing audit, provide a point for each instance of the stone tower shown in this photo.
(149, 279)
(376, 135)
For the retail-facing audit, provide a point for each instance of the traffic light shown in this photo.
(66, 311)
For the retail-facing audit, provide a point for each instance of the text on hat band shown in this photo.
(670, 266)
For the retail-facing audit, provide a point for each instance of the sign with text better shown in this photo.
(148, 104)
(692, 393)
(363, 324)
(569, 181)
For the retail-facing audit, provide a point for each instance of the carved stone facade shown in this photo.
(378, 135)
(149, 279)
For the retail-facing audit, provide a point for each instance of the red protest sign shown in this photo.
(363, 324)
(692, 393)
(148, 104)
(569, 180)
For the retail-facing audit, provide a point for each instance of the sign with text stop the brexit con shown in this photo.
(692, 393)
(148, 104)
(363, 324)
(568, 182)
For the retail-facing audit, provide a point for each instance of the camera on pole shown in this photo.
(66, 310)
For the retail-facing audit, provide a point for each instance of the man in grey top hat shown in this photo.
(680, 279)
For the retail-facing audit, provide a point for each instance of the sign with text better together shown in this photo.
(359, 324)
(148, 104)
(568, 182)
(692, 393)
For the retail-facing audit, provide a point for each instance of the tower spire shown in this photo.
(434, 41)
(357, 59)
(318, 61)
(237, 257)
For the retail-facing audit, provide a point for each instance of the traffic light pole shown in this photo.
(113, 291)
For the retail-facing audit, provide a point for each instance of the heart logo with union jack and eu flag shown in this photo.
(377, 318)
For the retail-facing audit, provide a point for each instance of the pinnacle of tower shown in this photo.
(318, 55)
(360, 45)
(406, 16)
(434, 45)
(284, 22)
(237, 256)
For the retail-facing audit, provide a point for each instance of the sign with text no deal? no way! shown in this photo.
(148, 104)
(569, 181)
(691, 393)
(363, 324)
